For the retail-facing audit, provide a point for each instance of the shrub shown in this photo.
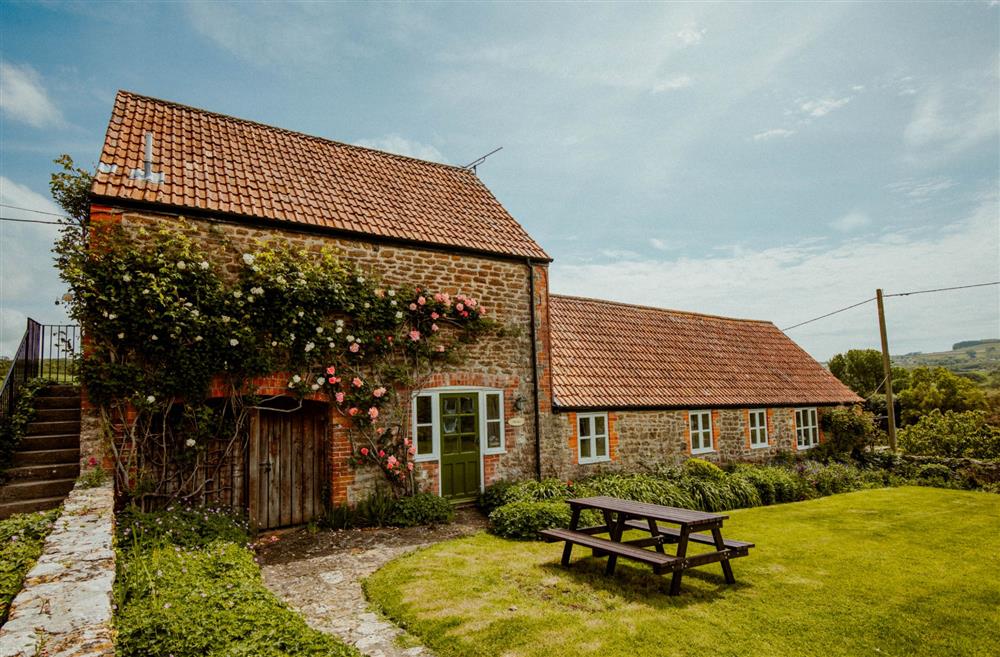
(524, 519)
(934, 471)
(493, 496)
(848, 431)
(832, 478)
(952, 434)
(422, 509)
(21, 540)
(537, 491)
(774, 484)
(720, 494)
(704, 470)
(638, 487)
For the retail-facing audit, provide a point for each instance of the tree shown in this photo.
(933, 388)
(861, 371)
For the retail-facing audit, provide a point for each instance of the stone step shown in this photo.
(32, 490)
(49, 428)
(7, 509)
(42, 472)
(46, 456)
(52, 441)
(57, 415)
(46, 401)
(60, 391)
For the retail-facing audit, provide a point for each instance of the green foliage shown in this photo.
(638, 487)
(848, 431)
(186, 527)
(952, 434)
(935, 388)
(493, 496)
(831, 478)
(703, 469)
(70, 188)
(774, 484)
(13, 426)
(859, 369)
(523, 519)
(21, 540)
(422, 509)
(720, 494)
(536, 491)
(92, 478)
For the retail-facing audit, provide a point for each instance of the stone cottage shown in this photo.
(578, 385)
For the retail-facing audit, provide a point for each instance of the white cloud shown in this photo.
(822, 106)
(851, 221)
(691, 35)
(402, 146)
(946, 124)
(772, 134)
(920, 191)
(23, 97)
(794, 282)
(672, 84)
(660, 245)
(29, 285)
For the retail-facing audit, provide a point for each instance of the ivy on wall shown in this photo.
(163, 320)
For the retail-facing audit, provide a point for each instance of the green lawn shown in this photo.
(902, 571)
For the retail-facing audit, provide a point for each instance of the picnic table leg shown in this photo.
(609, 525)
(616, 536)
(568, 548)
(727, 568)
(655, 533)
(682, 546)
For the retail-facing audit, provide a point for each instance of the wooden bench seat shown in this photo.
(659, 561)
(739, 548)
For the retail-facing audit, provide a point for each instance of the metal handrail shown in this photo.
(46, 350)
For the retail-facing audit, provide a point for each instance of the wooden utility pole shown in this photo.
(887, 368)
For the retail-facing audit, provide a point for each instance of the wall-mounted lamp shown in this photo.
(519, 403)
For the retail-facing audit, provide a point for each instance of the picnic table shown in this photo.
(658, 521)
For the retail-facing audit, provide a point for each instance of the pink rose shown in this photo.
(340, 398)
(413, 306)
(434, 315)
(331, 370)
(356, 382)
(409, 466)
(378, 392)
(364, 451)
(352, 411)
(379, 431)
(412, 451)
(355, 347)
(421, 301)
(434, 327)
(392, 461)
(373, 412)
(407, 442)
(482, 310)
(459, 307)
(414, 335)
(471, 303)
(465, 313)
(381, 452)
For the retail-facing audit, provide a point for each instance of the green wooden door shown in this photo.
(460, 445)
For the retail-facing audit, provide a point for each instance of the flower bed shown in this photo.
(21, 539)
(188, 586)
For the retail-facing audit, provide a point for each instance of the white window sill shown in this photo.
(599, 459)
(423, 458)
(805, 447)
(494, 451)
(703, 450)
(759, 446)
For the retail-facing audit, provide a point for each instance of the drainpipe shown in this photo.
(534, 371)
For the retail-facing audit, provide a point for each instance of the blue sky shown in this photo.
(772, 161)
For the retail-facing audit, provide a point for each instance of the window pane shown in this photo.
(812, 417)
(599, 428)
(694, 422)
(493, 435)
(585, 449)
(602, 446)
(584, 426)
(469, 423)
(424, 409)
(450, 405)
(492, 406)
(425, 442)
(466, 404)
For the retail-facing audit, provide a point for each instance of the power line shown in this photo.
(941, 289)
(896, 294)
(33, 221)
(14, 207)
(816, 319)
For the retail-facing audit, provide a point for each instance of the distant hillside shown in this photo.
(967, 356)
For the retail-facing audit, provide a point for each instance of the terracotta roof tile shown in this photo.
(614, 355)
(222, 164)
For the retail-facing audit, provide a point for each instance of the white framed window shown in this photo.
(806, 428)
(757, 421)
(701, 432)
(426, 413)
(592, 438)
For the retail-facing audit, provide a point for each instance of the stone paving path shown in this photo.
(320, 577)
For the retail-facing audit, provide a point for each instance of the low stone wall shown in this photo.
(64, 608)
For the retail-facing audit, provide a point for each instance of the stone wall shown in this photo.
(501, 361)
(643, 440)
(64, 609)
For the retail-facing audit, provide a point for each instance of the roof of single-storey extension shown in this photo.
(608, 355)
(220, 164)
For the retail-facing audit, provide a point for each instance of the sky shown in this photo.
(764, 160)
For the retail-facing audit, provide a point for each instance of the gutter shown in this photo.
(534, 369)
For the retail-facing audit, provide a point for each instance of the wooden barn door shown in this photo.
(287, 466)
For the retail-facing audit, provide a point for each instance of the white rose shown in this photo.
(190, 442)
(361, 279)
(314, 387)
(319, 329)
(392, 293)
(367, 305)
(320, 381)
(233, 342)
(392, 303)
(182, 265)
(237, 294)
(399, 314)
(121, 336)
(296, 378)
(197, 338)
(203, 264)
(127, 278)
(150, 399)
(350, 338)
(340, 330)
(340, 322)
(153, 337)
(112, 316)
(310, 346)
(274, 343)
